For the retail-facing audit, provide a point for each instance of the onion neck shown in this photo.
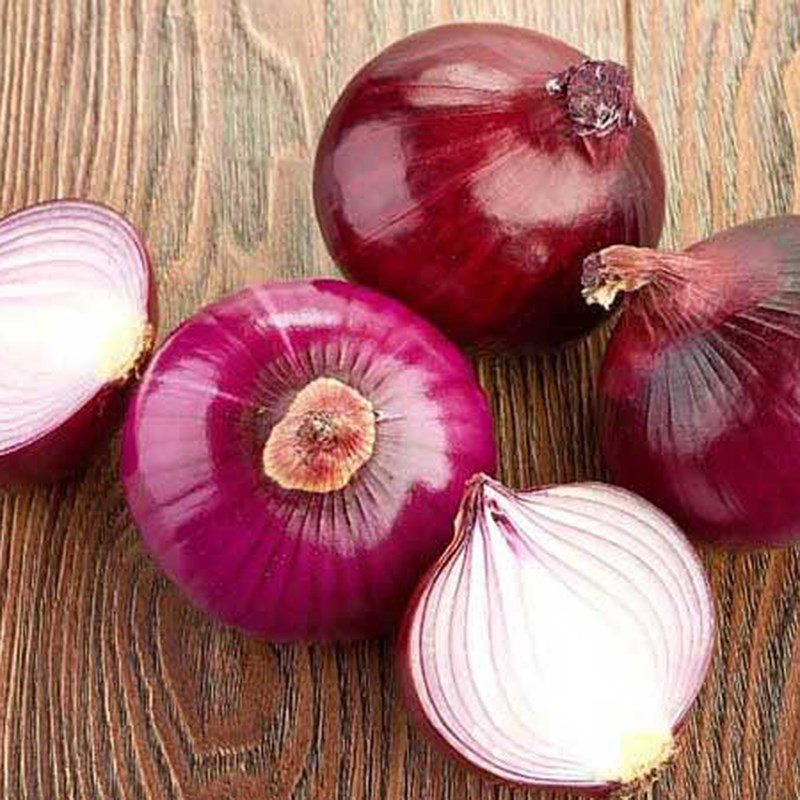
(471, 502)
(621, 268)
(696, 288)
(326, 435)
(598, 96)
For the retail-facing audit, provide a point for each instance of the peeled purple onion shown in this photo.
(296, 453)
(700, 385)
(77, 316)
(561, 639)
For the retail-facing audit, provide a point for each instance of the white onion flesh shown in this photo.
(563, 636)
(73, 312)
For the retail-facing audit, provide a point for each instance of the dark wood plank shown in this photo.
(198, 119)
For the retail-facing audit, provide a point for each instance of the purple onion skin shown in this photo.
(705, 423)
(288, 564)
(479, 216)
(67, 448)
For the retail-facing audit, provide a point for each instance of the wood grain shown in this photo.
(198, 119)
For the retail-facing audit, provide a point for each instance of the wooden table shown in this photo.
(198, 119)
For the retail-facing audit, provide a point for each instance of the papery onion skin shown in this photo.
(57, 452)
(285, 563)
(700, 385)
(449, 176)
(415, 637)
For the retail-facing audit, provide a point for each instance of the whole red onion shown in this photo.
(561, 639)
(77, 317)
(295, 455)
(469, 169)
(700, 386)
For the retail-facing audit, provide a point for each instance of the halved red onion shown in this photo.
(561, 639)
(77, 315)
(296, 453)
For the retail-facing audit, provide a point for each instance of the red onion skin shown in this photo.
(68, 447)
(724, 462)
(444, 209)
(235, 546)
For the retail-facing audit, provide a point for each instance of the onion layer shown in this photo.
(296, 453)
(561, 639)
(77, 315)
(700, 386)
(469, 169)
